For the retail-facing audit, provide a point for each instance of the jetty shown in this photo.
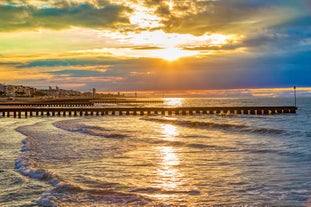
(86, 102)
(126, 101)
(89, 110)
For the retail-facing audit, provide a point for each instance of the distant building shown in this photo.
(94, 92)
(58, 93)
(9, 90)
(20, 91)
(26, 91)
(2, 87)
(2, 90)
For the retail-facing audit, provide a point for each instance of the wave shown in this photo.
(70, 195)
(12, 180)
(64, 192)
(214, 147)
(90, 130)
(214, 125)
(308, 134)
(155, 190)
(27, 164)
(193, 145)
(266, 131)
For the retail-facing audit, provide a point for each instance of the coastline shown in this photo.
(16, 189)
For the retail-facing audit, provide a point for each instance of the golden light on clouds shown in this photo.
(13, 75)
(163, 39)
(143, 17)
(159, 44)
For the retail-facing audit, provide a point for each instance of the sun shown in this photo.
(172, 53)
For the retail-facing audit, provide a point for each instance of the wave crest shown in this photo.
(90, 130)
(214, 125)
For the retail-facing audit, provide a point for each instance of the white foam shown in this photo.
(26, 166)
(46, 199)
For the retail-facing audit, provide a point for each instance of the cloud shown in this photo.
(63, 15)
(146, 48)
(290, 36)
(95, 62)
(234, 16)
(96, 43)
(188, 17)
(212, 72)
(11, 74)
(77, 73)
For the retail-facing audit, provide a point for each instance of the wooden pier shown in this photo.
(49, 103)
(30, 111)
(77, 102)
(126, 101)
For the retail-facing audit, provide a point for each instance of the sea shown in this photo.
(157, 160)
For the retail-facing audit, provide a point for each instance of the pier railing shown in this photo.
(29, 111)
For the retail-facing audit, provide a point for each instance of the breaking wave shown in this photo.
(90, 130)
(220, 126)
(65, 192)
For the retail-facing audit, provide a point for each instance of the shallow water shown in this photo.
(160, 161)
(16, 189)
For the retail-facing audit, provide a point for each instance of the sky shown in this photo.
(136, 45)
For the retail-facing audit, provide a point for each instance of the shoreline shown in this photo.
(24, 189)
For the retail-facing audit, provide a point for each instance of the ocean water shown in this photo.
(202, 160)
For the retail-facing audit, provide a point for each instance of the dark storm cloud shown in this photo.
(293, 35)
(60, 16)
(199, 17)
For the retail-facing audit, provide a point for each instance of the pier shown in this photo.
(49, 103)
(77, 102)
(31, 111)
(126, 101)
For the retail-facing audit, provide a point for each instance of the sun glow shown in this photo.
(159, 44)
(172, 54)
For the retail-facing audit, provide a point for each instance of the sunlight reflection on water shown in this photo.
(173, 102)
(169, 177)
(168, 173)
(169, 132)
